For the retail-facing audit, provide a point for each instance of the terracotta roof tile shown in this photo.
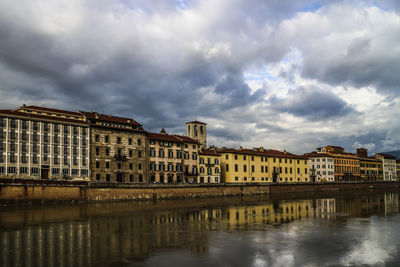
(209, 152)
(186, 139)
(109, 118)
(45, 109)
(40, 117)
(163, 137)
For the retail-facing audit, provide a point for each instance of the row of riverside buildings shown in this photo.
(46, 143)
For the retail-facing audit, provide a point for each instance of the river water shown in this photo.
(335, 230)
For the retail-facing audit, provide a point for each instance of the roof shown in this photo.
(45, 109)
(199, 122)
(388, 156)
(39, 116)
(186, 139)
(318, 155)
(267, 152)
(209, 152)
(164, 137)
(335, 146)
(110, 118)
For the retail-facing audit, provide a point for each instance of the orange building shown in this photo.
(347, 165)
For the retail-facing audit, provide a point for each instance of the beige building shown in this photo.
(172, 158)
(209, 166)
(40, 142)
(388, 166)
(118, 149)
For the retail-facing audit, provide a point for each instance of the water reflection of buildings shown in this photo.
(92, 239)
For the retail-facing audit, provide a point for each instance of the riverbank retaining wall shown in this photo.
(87, 191)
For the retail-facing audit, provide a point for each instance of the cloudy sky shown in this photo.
(280, 74)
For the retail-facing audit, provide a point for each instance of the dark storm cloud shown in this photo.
(312, 103)
(167, 62)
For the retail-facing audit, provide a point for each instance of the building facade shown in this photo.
(118, 149)
(43, 143)
(209, 166)
(370, 167)
(346, 165)
(388, 166)
(262, 166)
(172, 158)
(321, 167)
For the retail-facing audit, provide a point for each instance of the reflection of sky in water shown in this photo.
(302, 243)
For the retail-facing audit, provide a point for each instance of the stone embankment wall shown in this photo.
(63, 191)
(86, 191)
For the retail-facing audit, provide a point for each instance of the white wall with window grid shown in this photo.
(324, 168)
(27, 145)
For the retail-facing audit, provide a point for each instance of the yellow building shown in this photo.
(209, 166)
(262, 166)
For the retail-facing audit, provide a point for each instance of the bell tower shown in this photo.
(198, 131)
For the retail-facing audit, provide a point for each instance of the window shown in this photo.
(96, 138)
(227, 167)
(201, 160)
(236, 157)
(236, 168)
(55, 171)
(130, 153)
(139, 153)
(245, 168)
(194, 156)
(97, 164)
(252, 158)
(262, 169)
(65, 171)
(179, 154)
(35, 171)
(108, 176)
(97, 176)
(130, 141)
(139, 166)
(12, 170)
(12, 158)
(55, 160)
(216, 161)
(23, 170)
(118, 140)
(226, 157)
(130, 166)
(140, 178)
(107, 164)
(106, 138)
(252, 168)
(216, 170)
(107, 151)
(139, 142)
(161, 153)
(1, 169)
(236, 178)
(97, 151)
(244, 157)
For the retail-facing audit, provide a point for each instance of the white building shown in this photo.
(38, 142)
(321, 167)
(388, 166)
